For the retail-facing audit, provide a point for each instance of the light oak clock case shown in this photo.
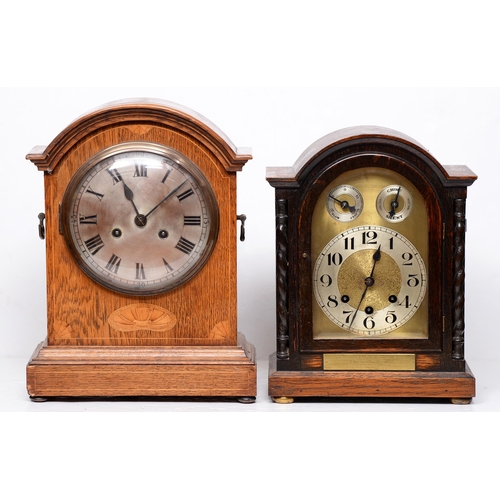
(183, 342)
(424, 357)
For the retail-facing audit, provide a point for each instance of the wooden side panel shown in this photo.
(79, 309)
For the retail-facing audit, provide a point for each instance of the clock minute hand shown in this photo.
(368, 281)
(167, 197)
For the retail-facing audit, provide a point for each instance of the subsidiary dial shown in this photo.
(344, 203)
(394, 203)
(369, 280)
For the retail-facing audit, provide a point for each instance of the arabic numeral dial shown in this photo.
(369, 280)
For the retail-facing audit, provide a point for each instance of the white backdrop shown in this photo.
(458, 126)
(281, 45)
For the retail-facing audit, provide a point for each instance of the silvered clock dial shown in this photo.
(344, 203)
(394, 203)
(369, 280)
(140, 218)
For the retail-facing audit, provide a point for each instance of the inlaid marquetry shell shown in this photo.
(220, 330)
(142, 317)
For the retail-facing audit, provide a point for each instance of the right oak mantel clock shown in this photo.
(370, 254)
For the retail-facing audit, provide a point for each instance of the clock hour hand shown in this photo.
(343, 204)
(376, 258)
(394, 204)
(167, 197)
(129, 194)
(368, 281)
(140, 220)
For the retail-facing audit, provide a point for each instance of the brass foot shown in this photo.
(461, 401)
(283, 400)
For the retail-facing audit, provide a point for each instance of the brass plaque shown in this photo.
(365, 362)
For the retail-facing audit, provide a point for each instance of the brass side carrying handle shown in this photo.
(41, 226)
(242, 218)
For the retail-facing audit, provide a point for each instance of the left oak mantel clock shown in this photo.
(140, 227)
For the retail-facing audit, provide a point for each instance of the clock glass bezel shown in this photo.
(195, 251)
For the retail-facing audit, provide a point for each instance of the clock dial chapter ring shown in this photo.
(394, 203)
(369, 280)
(141, 219)
(344, 203)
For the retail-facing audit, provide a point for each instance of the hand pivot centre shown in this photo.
(140, 220)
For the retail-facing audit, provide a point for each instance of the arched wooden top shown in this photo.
(147, 111)
(290, 176)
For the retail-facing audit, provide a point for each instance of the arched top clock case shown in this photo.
(140, 211)
(139, 115)
(374, 138)
(370, 246)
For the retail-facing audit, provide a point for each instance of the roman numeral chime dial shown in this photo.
(140, 219)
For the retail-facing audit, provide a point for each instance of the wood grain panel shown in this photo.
(369, 384)
(181, 343)
(75, 300)
(149, 371)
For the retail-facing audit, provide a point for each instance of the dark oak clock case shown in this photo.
(298, 367)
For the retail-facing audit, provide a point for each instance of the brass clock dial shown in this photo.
(369, 280)
(140, 218)
(355, 296)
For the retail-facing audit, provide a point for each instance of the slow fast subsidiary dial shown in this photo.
(140, 218)
(369, 280)
(344, 203)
